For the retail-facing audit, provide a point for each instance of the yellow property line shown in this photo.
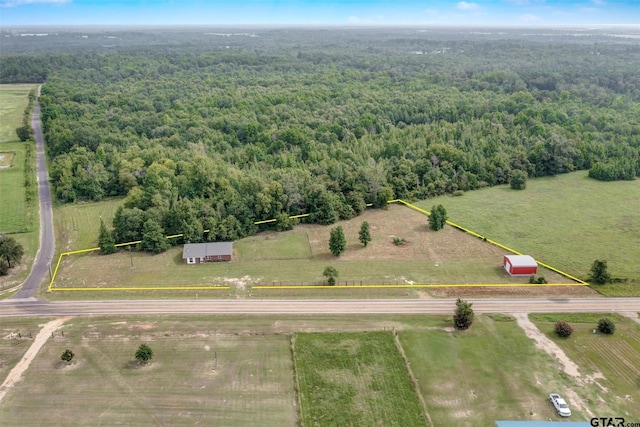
(435, 285)
(151, 288)
(409, 205)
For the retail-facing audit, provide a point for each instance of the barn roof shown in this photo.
(201, 250)
(522, 260)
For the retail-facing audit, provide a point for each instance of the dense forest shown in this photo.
(216, 130)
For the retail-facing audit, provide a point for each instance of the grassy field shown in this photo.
(17, 216)
(77, 225)
(500, 374)
(298, 256)
(348, 370)
(16, 335)
(613, 361)
(354, 379)
(198, 375)
(567, 221)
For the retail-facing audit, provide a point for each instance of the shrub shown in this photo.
(144, 353)
(563, 329)
(399, 241)
(67, 356)
(606, 326)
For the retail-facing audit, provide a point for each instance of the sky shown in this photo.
(319, 12)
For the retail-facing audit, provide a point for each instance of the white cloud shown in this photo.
(463, 5)
(599, 2)
(529, 17)
(14, 3)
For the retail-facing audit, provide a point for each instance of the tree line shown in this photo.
(221, 139)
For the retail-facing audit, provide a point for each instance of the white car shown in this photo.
(561, 406)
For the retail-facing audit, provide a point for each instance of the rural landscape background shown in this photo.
(182, 130)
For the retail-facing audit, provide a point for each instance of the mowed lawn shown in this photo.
(567, 221)
(354, 379)
(297, 256)
(197, 376)
(611, 360)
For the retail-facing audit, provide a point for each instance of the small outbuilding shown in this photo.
(520, 265)
(198, 253)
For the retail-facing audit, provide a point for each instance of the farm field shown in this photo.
(499, 372)
(612, 360)
(298, 256)
(197, 376)
(17, 216)
(354, 379)
(567, 221)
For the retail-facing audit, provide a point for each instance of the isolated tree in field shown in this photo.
(105, 240)
(330, 273)
(518, 180)
(337, 241)
(67, 356)
(365, 233)
(599, 274)
(463, 315)
(144, 353)
(10, 250)
(24, 133)
(563, 329)
(438, 217)
(153, 239)
(606, 326)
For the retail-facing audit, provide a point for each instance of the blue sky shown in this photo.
(319, 12)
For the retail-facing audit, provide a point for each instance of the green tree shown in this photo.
(337, 241)
(24, 133)
(67, 356)
(599, 274)
(105, 240)
(4, 267)
(437, 218)
(144, 353)
(463, 315)
(153, 239)
(365, 233)
(606, 326)
(518, 180)
(10, 250)
(283, 222)
(330, 273)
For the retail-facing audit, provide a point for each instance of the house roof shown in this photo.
(522, 260)
(201, 250)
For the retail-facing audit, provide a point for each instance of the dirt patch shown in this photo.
(566, 364)
(513, 291)
(16, 373)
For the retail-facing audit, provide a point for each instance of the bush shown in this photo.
(399, 241)
(518, 180)
(144, 353)
(563, 329)
(606, 326)
(67, 356)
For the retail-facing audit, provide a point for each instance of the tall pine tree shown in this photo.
(105, 240)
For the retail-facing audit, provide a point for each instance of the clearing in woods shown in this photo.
(299, 256)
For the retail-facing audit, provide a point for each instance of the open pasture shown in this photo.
(240, 370)
(299, 256)
(354, 379)
(613, 361)
(198, 375)
(567, 221)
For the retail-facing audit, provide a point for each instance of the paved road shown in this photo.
(8, 308)
(44, 256)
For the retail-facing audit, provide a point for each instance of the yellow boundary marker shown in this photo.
(434, 285)
(407, 204)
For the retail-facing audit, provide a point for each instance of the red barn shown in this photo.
(520, 265)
